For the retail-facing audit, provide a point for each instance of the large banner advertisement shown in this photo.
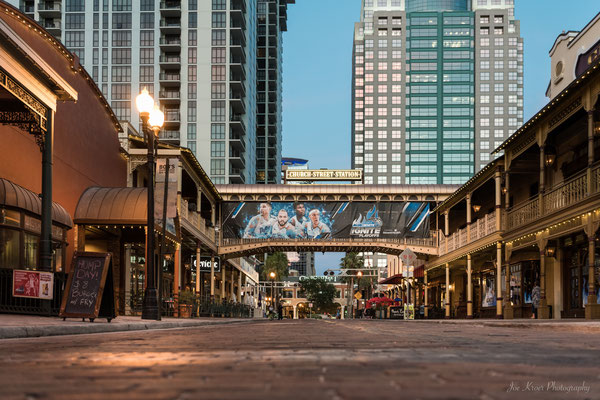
(316, 220)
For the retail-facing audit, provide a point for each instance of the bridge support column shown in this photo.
(295, 312)
(447, 301)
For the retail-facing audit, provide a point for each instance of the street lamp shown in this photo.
(152, 120)
(359, 274)
(272, 276)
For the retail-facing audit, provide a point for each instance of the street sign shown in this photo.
(358, 296)
(310, 305)
(408, 257)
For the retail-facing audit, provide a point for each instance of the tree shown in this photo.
(320, 292)
(354, 261)
(276, 262)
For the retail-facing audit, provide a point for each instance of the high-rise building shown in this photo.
(272, 22)
(437, 85)
(197, 58)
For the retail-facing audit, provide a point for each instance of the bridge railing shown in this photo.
(431, 241)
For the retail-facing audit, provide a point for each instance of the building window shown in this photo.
(147, 20)
(217, 167)
(218, 73)
(147, 56)
(121, 56)
(217, 111)
(121, 21)
(217, 131)
(219, 20)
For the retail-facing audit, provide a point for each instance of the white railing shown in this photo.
(480, 228)
(523, 213)
(568, 193)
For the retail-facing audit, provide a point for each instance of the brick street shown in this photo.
(302, 359)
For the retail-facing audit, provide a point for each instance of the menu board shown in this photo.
(85, 291)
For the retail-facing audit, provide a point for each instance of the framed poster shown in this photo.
(33, 284)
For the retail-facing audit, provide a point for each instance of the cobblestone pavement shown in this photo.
(363, 359)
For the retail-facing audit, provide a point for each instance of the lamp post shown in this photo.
(152, 120)
(272, 276)
(359, 274)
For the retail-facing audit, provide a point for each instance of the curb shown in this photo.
(19, 332)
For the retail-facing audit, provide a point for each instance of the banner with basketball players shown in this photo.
(325, 220)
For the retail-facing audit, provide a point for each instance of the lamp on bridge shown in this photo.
(152, 120)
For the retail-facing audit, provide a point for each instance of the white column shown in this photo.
(295, 312)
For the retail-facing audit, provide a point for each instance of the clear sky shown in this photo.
(317, 72)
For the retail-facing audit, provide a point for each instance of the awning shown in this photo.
(397, 279)
(112, 206)
(16, 196)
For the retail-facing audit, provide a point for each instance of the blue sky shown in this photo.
(317, 71)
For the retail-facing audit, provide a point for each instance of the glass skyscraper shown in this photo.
(437, 85)
(213, 65)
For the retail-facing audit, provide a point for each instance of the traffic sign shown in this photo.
(358, 296)
(408, 257)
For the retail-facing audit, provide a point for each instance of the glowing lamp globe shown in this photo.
(144, 102)
(157, 118)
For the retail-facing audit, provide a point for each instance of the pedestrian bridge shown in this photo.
(373, 202)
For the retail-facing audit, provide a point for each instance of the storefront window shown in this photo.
(31, 249)
(9, 248)
(10, 217)
(515, 284)
(530, 276)
(57, 259)
(489, 290)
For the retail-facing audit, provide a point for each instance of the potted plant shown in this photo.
(186, 300)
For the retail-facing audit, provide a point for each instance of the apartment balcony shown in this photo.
(172, 117)
(171, 44)
(480, 228)
(237, 103)
(238, 37)
(556, 199)
(236, 141)
(170, 8)
(237, 124)
(169, 135)
(170, 61)
(169, 96)
(170, 25)
(169, 79)
(237, 53)
(236, 176)
(52, 26)
(49, 10)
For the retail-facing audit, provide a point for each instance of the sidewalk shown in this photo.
(23, 326)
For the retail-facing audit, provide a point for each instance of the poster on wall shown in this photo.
(33, 284)
(489, 291)
(325, 220)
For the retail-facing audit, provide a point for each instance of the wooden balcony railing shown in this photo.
(565, 195)
(197, 221)
(480, 228)
(524, 213)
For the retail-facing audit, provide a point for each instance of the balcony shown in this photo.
(480, 228)
(237, 103)
(237, 124)
(169, 96)
(170, 25)
(170, 44)
(556, 199)
(169, 135)
(52, 26)
(170, 8)
(194, 219)
(170, 61)
(49, 9)
(172, 117)
(169, 79)
(236, 141)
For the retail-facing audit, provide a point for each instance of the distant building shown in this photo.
(437, 85)
(571, 54)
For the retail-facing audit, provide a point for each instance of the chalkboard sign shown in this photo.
(89, 292)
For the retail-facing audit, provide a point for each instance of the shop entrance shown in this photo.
(575, 276)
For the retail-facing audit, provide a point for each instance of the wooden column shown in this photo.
(232, 283)
(198, 273)
(543, 310)
(426, 308)
(469, 288)
(499, 298)
(469, 217)
(592, 308)
(177, 275)
(508, 310)
(542, 180)
(447, 302)
(498, 186)
(447, 227)
(223, 280)
(590, 150)
(212, 277)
